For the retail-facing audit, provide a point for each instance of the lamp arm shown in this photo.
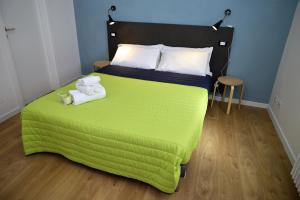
(227, 13)
(112, 8)
(227, 62)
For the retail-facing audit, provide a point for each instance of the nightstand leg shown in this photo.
(213, 97)
(230, 100)
(224, 93)
(241, 95)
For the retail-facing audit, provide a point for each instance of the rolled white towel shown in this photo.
(80, 98)
(89, 89)
(89, 80)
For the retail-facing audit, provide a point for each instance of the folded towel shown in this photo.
(89, 80)
(80, 98)
(90, 89)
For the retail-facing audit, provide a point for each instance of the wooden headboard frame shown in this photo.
(173, 35)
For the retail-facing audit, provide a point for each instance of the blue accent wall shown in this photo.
(261, 29)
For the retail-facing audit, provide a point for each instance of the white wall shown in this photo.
(285, 99)
(54, 44)
(10, 97)
(64, 39)
(26, 47)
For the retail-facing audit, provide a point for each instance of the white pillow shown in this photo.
(137, 56)
(184, 62)
(160, 46)
(208, 50)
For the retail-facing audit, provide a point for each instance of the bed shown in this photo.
(146, 128)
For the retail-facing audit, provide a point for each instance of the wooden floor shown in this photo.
(239, 157)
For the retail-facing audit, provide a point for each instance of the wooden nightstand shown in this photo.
(232, 82)
(100, 64)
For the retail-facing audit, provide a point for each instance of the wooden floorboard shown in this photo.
(238, 157)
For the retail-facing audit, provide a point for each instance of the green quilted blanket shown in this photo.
(142, 129)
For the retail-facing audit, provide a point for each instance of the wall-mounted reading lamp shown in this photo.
(217, 25)
(110, 19)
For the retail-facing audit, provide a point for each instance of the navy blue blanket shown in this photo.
(159, 76)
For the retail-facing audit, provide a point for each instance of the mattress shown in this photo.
(142, 130)
(160, 76)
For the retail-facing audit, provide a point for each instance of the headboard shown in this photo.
(173, 35)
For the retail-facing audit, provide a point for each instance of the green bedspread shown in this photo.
(142, 129)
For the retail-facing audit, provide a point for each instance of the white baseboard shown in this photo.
(282, 136)
(244, 102)
(9, 114)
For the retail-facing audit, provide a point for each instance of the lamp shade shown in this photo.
(110, 20)
(217, 25)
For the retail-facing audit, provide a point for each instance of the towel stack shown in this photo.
(88, 89)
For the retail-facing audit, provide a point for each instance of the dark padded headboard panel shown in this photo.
(173, 35)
